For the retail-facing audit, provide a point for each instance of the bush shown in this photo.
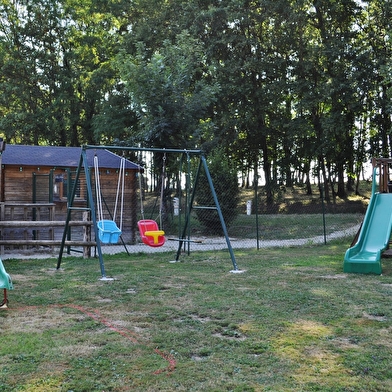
(224, 179)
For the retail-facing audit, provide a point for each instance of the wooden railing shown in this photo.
(25, 216)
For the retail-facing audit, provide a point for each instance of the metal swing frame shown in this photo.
(83, 165)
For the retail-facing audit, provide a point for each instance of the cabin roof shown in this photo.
(68, 157)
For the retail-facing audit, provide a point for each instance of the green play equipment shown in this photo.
(155, 237)
(364, 255)
(6, 284)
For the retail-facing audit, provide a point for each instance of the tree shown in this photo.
(296, 87)
(28, 48)
(171, 92)
(376, 32)
(324, 84)
(55, 61)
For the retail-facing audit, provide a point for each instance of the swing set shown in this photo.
(107, 231)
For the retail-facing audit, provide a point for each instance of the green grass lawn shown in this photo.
(293, 321)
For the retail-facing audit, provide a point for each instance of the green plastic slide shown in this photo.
(365, 256)
(5, 279)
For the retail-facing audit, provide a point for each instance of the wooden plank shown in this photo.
(12, 204)
(86, 236)
(24, 224)
(47, 242)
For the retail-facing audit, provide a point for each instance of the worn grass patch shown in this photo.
(292, 322)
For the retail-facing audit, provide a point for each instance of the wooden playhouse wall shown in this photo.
(17, 189)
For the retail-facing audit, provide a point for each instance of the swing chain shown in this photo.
(162, 190)
(121, 182)
(141, 191)
(163, 174)
(98, 188)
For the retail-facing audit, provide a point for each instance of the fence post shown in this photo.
(86, 236)
(324, 227)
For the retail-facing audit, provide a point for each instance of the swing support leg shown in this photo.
(203, 164)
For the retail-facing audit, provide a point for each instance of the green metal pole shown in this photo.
(51, 174)
(324, 225)
(188, 213)
(257, 209)
(82, 163)
(207, 172)
(93, 214)
(71, 197)
(188, 188)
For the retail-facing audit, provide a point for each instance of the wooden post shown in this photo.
(383, 167)
(86, 236)
(52, 211)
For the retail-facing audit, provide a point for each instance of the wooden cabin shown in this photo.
(36, 183)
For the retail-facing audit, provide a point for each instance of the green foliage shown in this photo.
(293, 85)
(225, 181)
(168, 93)
(55, 69)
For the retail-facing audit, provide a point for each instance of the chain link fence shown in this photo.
(177, 201)
(293, 220)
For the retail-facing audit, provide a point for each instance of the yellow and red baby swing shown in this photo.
(150, 233)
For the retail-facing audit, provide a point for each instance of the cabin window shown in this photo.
(58, 187)
(63, 186)
(68, 186)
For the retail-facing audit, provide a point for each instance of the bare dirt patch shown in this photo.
(374, 317)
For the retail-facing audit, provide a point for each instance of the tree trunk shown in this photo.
(341, 186)
(308, 185)
(325, 188)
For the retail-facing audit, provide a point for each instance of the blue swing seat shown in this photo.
(108, 232)
(150, 233)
